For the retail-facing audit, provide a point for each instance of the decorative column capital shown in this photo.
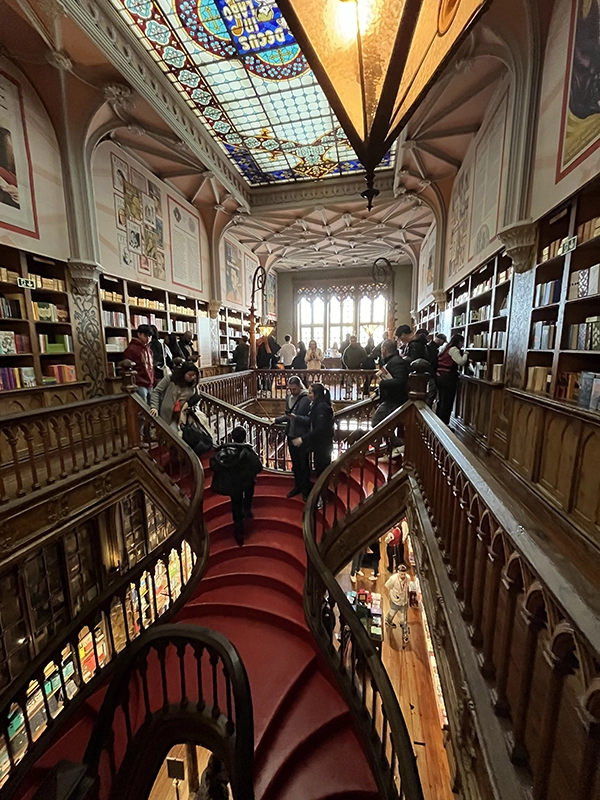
(441, 298)
(120, 97)
(214, 306)
(519, 241)
(84, 276)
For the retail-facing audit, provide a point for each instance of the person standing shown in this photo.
(319, 439)
(235, 466)
(241, 354)
(356, 568)
(354, 355)
(297, 421)
(393, 386)
(374, 550)
(138, 350)
(314, 356)
(287, 352)
(186, 347)
(299, 361)
(161, 356)
(172, 392)
(399, 588)
(450, 359)
(394, 545)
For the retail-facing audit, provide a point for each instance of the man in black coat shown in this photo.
(241, 354)
(235, 466)
(297, 409)
(393, 387)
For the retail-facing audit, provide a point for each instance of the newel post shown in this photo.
(418, 379)
(129, 385)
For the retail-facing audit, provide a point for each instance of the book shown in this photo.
(7, 343)
(28, 377)
(586, 384)
(595, 395)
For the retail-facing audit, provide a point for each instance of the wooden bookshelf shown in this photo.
(479, 310)
(36, 335)
(232, 325)
(565, 318)
(428, 318)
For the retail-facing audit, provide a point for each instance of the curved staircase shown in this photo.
(306, 746)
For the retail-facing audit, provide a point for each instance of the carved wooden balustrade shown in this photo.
(192, 686)
(345, 385)
(531, 617)
(54, 450)
(234, 388)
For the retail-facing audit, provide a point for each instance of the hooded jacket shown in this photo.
(234, 467)
(141, 355)
(298, 425)
(395, 389)
(418, 348)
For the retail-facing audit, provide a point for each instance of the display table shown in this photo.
(367, 606)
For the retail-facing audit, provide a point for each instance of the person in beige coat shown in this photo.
(168, 398)
(314, 356)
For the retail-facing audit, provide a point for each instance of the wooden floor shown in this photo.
(410, 674)
(164, 788)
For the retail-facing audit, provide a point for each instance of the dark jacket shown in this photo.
(264, 359)
(241, 356)
(320, 436)
(299, 425)
(418, 348)
(299, 361)
(395, 389)
(141, 355)
(187, 350)
(353, 356)
(234, 466)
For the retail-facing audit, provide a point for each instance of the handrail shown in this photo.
(215, 703)
(233, 388)
(345, 385)
(353, 657)
(87, 650)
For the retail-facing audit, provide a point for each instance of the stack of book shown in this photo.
(16, 378)
(54, 284)
(498, 339)
(12, 343)
(547, 293)
(55, 343)
(567, 385)
(114, 319)
(8, 276)
(480, 340)
(60, 373)
(12, 306)
(584, 282)
(543, 335)
(116, 344)
(480, 314)
(49, 312)
(538, 379)
(585, 335)
(588, 230)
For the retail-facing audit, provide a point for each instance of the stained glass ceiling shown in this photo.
(239, 68)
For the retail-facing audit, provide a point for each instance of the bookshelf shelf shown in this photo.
(16, 355)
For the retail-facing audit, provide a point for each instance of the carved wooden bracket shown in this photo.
(519, 241)
(214, 306)
(84, 276)
(441, 298)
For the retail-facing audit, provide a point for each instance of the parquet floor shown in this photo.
(411, 677)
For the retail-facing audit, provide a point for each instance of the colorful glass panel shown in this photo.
(239, 68)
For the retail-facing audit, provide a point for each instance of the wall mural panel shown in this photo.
(271, 309)
(234, 284)
(427, 265)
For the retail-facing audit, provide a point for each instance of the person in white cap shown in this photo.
(399, 588)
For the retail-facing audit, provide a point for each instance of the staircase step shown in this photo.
(264, 601)
(264, 569)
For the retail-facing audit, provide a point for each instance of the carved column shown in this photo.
(534, 624)
(478, 591)
(214, 306)
(502, 706)
(488, 669)
(87, 325)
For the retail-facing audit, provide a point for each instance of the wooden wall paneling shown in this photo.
(586, 498)
(558, 454)
(563, 777)
(492, 610)
(526, 429)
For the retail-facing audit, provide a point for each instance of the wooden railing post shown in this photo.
(418, 379)
(502, 706)
(534, 623)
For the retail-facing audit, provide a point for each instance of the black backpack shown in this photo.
(195, 435)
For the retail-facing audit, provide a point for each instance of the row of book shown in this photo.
(479, 369)
(538, 379)
(144, 302)
(580, 387)
(149, 319)
(482, 287)
(497, 372)
(180, 325)
(114, 319)
(12, 307)
(175, 309)
(60, 373)
(480, 314)
(41, 282)
(49, 312)
(498, 339)
(584, 282)
(480, 340)
(12, 343)
(17, 378)
(55, 343)
(462, 298)
(543, 335)
(588, 230)
(111, 297)
(505, 275)
(551, 251)
(9, 276)
(116, 344)
(459, 320)
(547, 293)
(585, 335)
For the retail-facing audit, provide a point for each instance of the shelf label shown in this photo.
(25, 283)
(567, 245)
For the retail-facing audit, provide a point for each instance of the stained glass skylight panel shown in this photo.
(239, 68)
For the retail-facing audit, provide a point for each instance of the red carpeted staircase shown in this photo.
(306, 744)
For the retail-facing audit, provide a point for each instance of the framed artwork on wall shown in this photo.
(271, 294)
(17, 198)
(233, 274)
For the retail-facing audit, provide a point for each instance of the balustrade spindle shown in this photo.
(534, 623)
(214, 661)
(502, 706)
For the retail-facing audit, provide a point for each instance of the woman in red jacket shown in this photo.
(449, 360)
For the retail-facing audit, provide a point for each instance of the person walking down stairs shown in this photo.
(235, 466)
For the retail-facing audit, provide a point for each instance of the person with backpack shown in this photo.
(235, 466)
(172, 392)
(297, 408)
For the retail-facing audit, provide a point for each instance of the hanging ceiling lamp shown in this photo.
(375, 59)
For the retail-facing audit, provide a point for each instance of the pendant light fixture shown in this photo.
(375, 59)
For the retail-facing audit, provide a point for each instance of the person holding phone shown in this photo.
(296, 420)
